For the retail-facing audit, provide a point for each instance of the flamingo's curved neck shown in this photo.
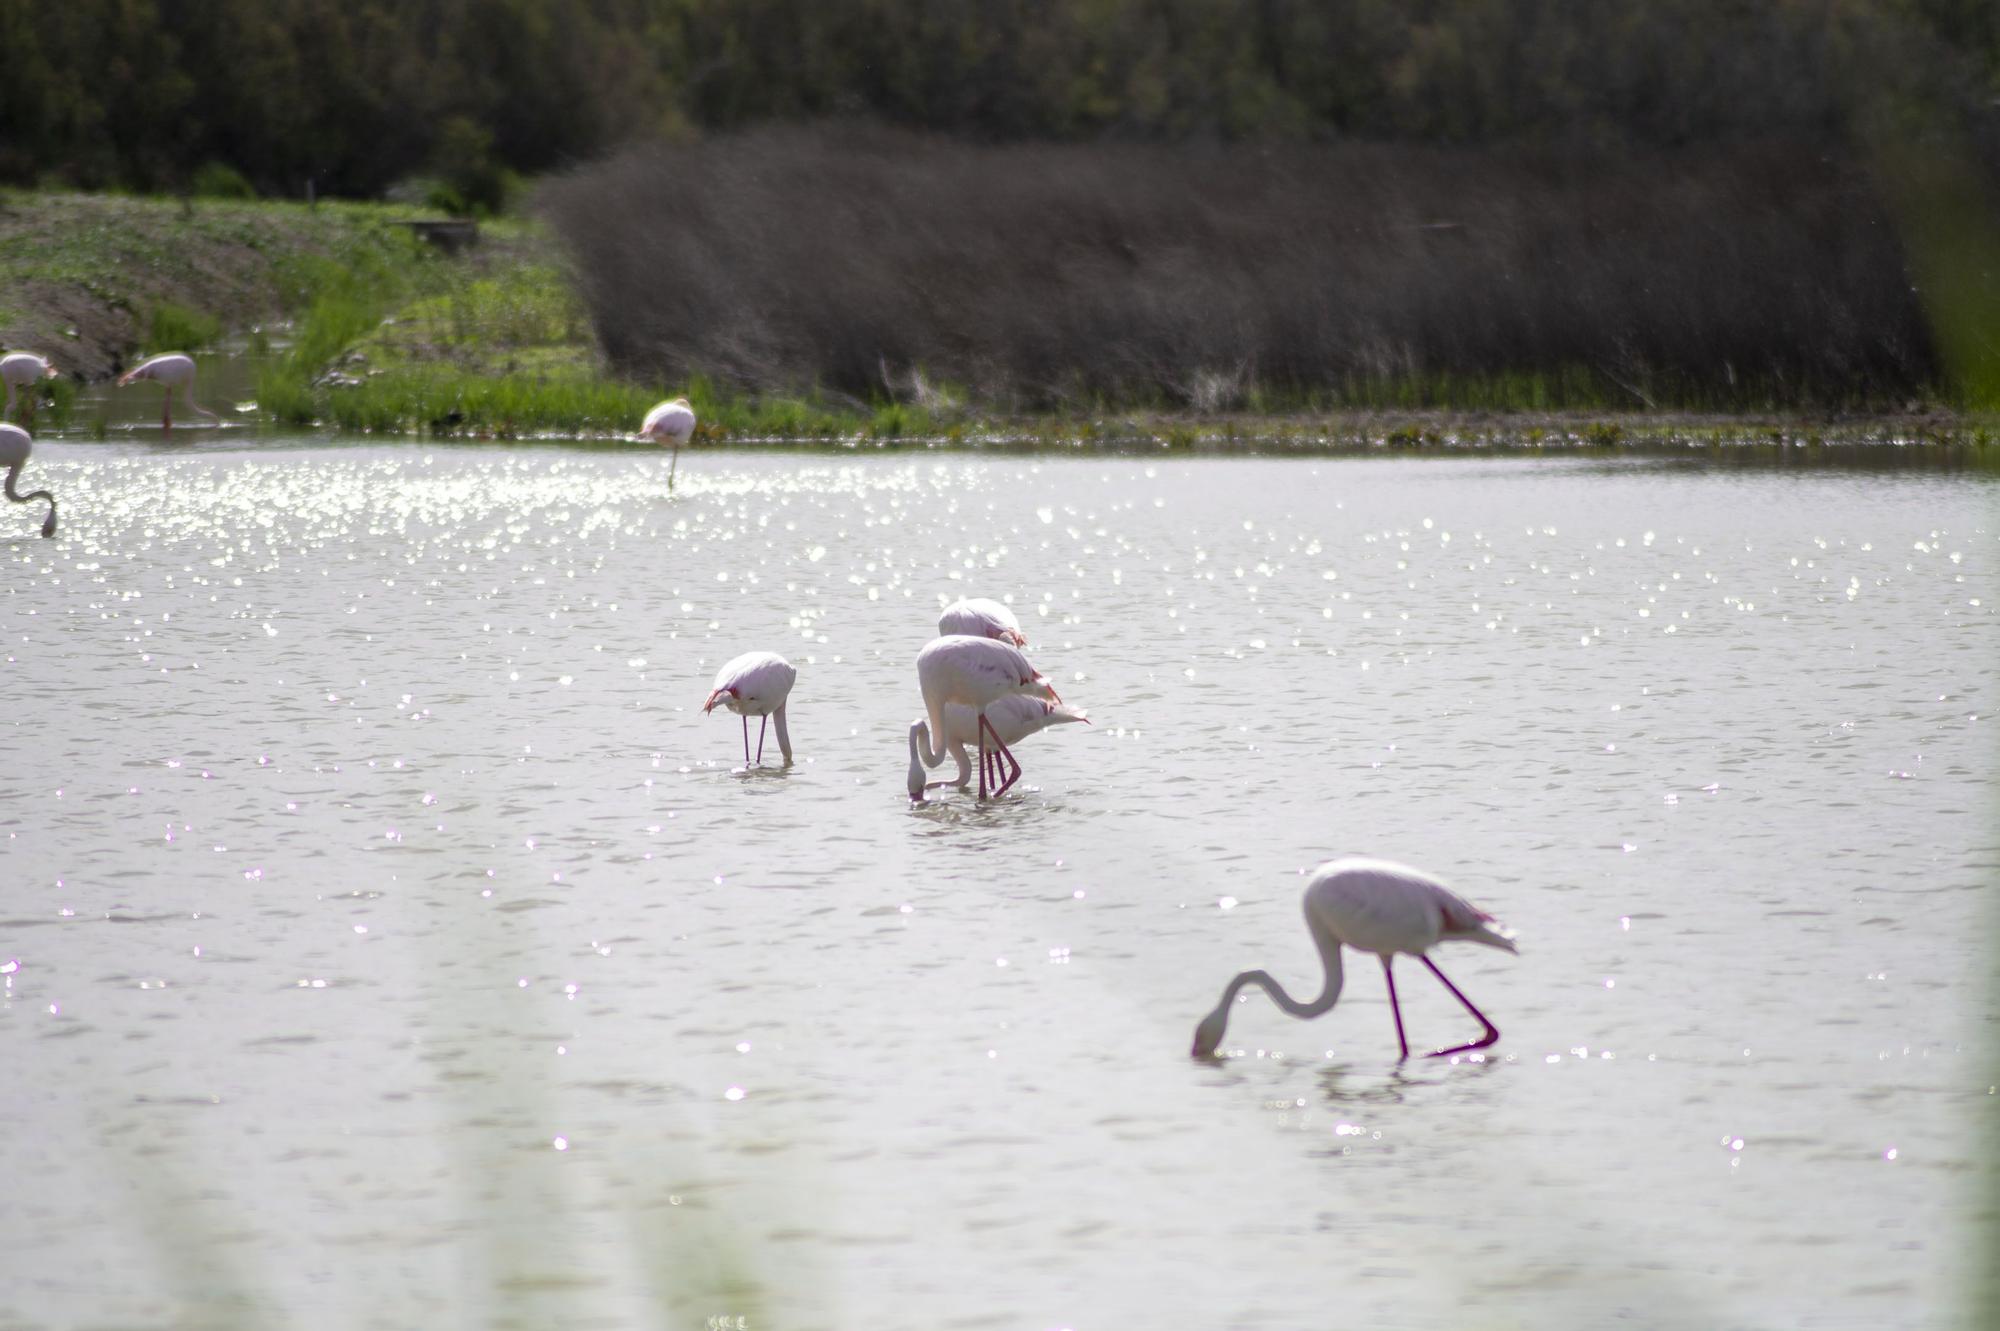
(920, 745)
(1329, 994)
(784, 733)
(48, 523)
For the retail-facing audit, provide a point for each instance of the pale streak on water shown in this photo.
(362, 838)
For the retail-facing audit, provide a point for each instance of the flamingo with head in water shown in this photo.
(15, 446)
(1371, 906)
(24, 370)
(173, 371)
(1013, 719)
(978, 672)
(756, 684)
(670, 423)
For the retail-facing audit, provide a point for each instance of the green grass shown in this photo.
(177, 328)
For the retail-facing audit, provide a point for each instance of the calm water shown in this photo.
(397, 944)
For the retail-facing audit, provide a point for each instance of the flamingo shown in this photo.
(23, 370)
(1372, 906)
(15, 446)
(979, 617)
(1013, 718)
(172, 370)
(756, 684)
(977, 672)
(671, 423)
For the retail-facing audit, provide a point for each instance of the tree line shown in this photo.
(350, 96)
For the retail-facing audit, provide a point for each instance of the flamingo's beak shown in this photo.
(719, 693)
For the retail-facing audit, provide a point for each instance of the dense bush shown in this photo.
(218, 180)
(873, 262)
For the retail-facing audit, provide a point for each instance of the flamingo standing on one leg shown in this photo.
(172, 371)
(1372, 906)
(15, 446)
(978, 672)
(669, 423)
(24, 370)
(756, 684)
(1013, 719)
(979, 617)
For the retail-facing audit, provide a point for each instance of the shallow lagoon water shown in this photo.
(394, 942)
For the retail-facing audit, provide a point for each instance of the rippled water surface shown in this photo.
(391, 941)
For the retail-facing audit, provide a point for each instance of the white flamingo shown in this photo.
(977, 672)
(23, 370)
(1372, 906)
(669, 423)
(979, 617)
(15, 446)
(1013, 719)
(756, 684)
(171, 371)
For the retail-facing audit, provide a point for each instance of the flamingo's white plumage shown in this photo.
(977, 672)
(670, 423)
(979, 617)
(1013, 719)
(15, 447)
(23, 370)
(756, 684)
(1372, 906)
(175, 372)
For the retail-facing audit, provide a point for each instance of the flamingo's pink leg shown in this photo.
(167, 412)
(1395, 1008)
(761, 727)
(746, 739)
(1003, 759)
(1492, 1031)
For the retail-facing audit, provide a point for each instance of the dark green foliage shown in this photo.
(216, 180)
(350, 97)
(473, 178)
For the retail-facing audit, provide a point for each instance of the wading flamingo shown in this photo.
(24, 370)
(978, 617)
(171, 371)
(15, 446)
(1013, 718)
(756, 684)
(669, 423)
(1372, 906)
(978, 672)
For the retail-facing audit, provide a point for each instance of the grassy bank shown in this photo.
(364, 329)
(93, 279)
